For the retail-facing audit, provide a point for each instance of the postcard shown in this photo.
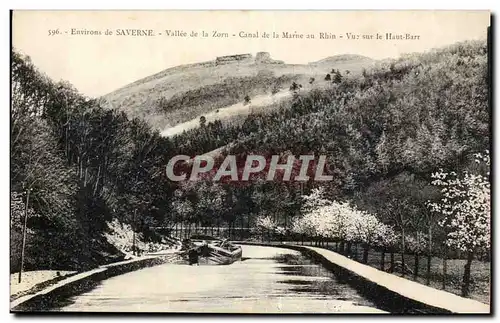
(250, 162)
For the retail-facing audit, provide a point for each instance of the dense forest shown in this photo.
(81, 166)
(386, 131)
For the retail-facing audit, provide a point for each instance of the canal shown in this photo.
(267, 280)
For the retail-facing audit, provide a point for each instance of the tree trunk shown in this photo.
(86, 173)
(382, 260)
(365, 253)
(466, 281)
(392, 261)
(248, 226)
(403, 252)
(97, 180)
(444, 271)
(67, 137)
(429, 256)
(429, 259)
(415, 273)
(242, 229)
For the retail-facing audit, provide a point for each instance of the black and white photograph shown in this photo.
(251, 162)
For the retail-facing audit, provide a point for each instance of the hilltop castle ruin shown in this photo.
(260, 58)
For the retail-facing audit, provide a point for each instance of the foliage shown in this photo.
(416, 243)
(466, 205)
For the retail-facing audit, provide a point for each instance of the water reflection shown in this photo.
(270, 280)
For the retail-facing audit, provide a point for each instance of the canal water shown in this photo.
(267, 280)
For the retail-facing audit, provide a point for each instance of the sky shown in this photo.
(99, 64)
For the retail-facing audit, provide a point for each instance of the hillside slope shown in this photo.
(185, 92)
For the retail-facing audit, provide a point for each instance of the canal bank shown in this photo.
(390, 292)
(60, 292)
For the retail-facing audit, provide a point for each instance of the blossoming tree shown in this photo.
(368, 230)
(387, 238)
(266, 226)
(465, 205)
(341, 221)
(417, 243)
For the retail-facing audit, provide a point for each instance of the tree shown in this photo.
(340, 220)
(203, 121)
(266, 226)
(466, 206)
(328, 77)
(295, 87)
(209, 206)
(368, 230)
(246, 100)
(337, 78)
(417, 244)
(386, 238)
